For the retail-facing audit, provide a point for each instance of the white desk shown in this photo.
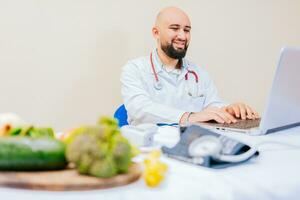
(272, 175)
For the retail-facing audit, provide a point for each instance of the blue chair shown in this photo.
(121, 115)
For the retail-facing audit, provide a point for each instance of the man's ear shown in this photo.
(155, 32)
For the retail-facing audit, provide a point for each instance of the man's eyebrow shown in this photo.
(177, 25)
(174, 25)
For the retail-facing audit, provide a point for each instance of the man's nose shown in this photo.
(181, 34)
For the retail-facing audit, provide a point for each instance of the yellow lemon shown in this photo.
(154, 169)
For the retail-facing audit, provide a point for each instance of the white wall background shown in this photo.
(60, 60)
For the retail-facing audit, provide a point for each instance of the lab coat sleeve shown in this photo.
(137, 101)
(212, 98)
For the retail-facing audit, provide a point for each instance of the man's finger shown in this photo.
(231, 117)
(225, 116)
(249, 111)
(236, 111)
(256, 115)
(222, 116)
(242, 111)
(217, 118)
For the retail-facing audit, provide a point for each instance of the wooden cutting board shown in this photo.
(68, 179)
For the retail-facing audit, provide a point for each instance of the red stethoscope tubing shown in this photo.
(153, 69)
(186, 75)
(192, 72)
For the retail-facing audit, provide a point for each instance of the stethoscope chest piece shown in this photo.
(157, 85)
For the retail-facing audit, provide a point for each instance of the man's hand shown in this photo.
(241, 111)
(210, 113)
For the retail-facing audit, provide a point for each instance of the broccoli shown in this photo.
(121, 153)
(99, 150)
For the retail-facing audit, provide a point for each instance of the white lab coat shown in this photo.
(145, 104)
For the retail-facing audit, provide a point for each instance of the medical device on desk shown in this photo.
(141, 135)
(203, 147)
(158, 85)
(151, 136)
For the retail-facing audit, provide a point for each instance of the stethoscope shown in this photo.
(158, 85)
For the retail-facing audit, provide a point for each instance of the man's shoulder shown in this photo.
(140, 61)
(138, 65)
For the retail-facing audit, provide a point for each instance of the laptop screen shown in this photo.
(283, 106)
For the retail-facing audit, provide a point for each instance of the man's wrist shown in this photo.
(183, 118)
(186, 117)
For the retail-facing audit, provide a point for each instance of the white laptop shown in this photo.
(283, 105)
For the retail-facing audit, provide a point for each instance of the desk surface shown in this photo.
(272, 175)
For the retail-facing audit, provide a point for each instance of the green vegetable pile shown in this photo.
(31, 131)
(99, 150)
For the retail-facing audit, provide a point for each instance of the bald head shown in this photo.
(172, 32)
(170, 14)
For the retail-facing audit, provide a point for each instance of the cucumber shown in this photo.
(29, 154)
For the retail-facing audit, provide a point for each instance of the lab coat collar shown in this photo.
(158, 65)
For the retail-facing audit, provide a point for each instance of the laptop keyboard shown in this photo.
(240, 124)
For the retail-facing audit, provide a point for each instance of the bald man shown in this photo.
(164, 87)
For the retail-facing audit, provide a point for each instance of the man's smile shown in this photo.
(179, 44)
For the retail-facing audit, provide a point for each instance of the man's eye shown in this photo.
(187, 30)
(174, 28)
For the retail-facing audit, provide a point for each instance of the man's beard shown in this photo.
(172, 52)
